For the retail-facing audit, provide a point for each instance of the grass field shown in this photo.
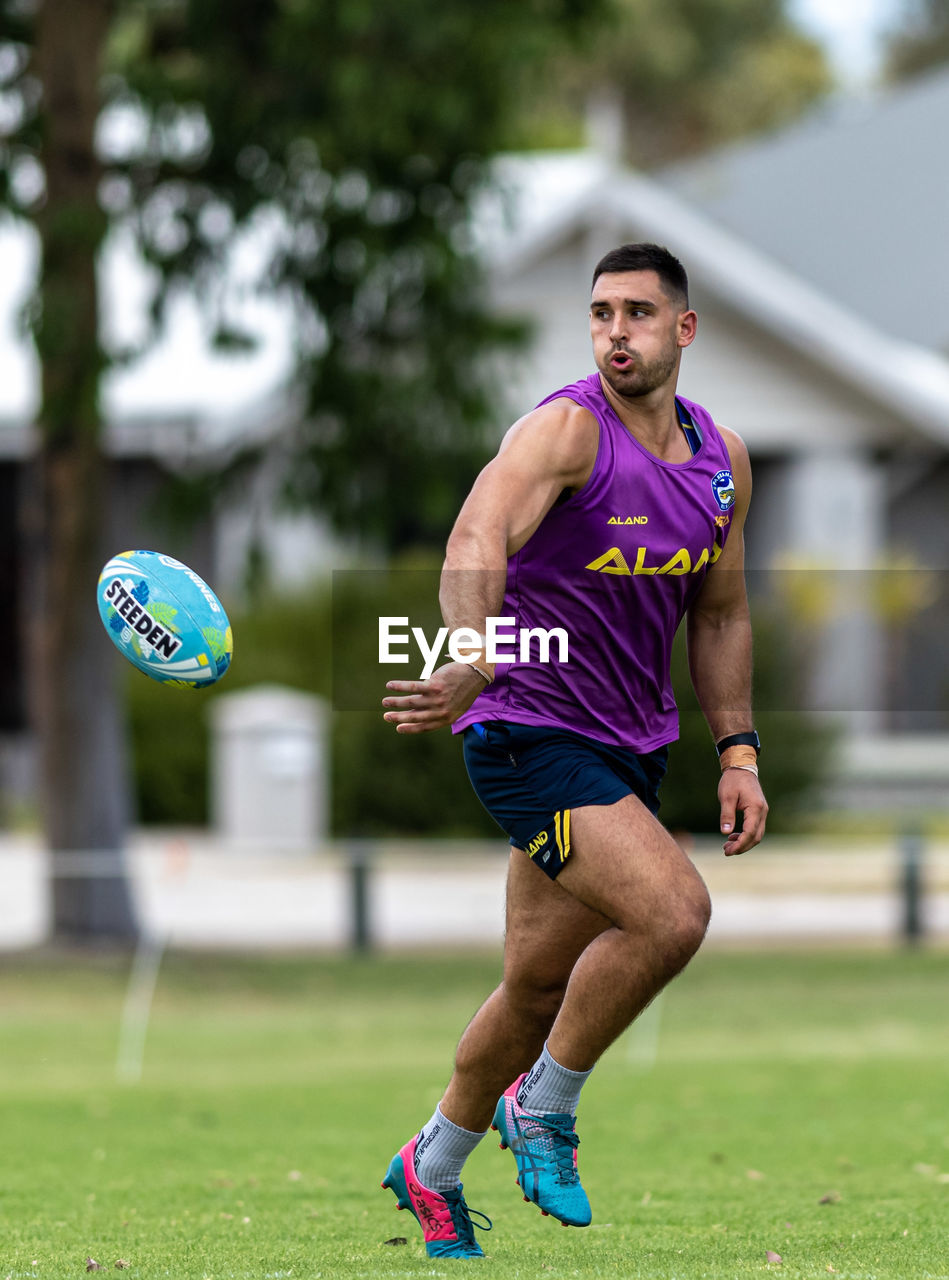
(792, 1103)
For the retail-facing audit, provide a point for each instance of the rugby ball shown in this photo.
(165, 619)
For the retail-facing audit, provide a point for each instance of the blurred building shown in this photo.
(846, 414)
(853, 199)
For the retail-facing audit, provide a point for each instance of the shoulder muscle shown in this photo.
(558, 439)
(548, 450)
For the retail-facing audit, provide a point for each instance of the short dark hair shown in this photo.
(646, 257)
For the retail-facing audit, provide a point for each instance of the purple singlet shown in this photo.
(616, 566)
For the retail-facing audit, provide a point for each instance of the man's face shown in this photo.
(637, 331)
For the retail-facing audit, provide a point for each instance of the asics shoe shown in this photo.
(545, 1149)
(444, 1216)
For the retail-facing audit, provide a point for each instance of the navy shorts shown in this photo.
(529, 778)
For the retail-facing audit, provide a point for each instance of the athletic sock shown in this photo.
(548, 1087)
(440, 1150)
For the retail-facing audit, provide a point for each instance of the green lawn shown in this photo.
(794, 1103)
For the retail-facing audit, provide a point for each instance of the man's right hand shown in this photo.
(433, 703)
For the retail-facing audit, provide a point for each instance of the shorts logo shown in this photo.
(723, 487)
(537, 843)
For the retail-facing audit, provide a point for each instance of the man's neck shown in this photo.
(653, 419)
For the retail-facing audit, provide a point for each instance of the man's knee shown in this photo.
(534, 997)
(688, 923)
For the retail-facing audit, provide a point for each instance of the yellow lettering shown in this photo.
(612, 561)
(612, 520)
(641, 566)
(680, 563)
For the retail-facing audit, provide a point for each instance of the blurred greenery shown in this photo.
(686, 75)
(348, 141)
(325, 642)
(918, 38)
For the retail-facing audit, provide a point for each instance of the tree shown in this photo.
(687, 75)
(54, 89)
(919, 40)
(349, 140)
(360, 134)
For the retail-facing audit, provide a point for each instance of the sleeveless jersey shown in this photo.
(615, 566)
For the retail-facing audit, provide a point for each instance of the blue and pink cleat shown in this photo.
(545, 1150)
(444, 1216)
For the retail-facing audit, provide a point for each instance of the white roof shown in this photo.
(544, 209)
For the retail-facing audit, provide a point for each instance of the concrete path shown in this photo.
(193, 891)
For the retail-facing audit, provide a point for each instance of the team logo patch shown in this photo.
(723, 486)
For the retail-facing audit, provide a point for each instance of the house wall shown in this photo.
(553, 295)
(775, 398)
(918, 594)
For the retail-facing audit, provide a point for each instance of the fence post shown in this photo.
(360, 923)
(911, 880)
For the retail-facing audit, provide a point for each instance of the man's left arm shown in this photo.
(719, 643)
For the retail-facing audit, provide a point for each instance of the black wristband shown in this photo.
(750, 739)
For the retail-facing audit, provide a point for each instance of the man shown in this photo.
(612, 510)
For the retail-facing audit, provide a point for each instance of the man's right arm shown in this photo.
(552, 449)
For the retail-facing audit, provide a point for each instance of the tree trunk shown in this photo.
(83, 776)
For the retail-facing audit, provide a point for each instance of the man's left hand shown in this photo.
(739, 791)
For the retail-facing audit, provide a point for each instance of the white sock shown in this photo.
(548, 1087)
(440, 1150)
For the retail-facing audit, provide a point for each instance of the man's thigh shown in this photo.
(547, 928)
(626, 867)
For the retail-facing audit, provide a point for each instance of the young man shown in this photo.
(612, 510)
